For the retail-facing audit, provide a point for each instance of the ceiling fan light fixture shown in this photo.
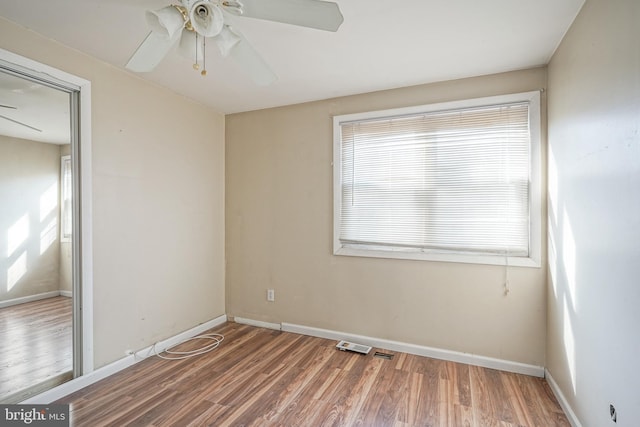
(167, 21)
(206, 18)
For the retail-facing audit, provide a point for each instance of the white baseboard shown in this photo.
(117, 366)
(28, 298)
(258, 323)
(564, 404)
(67, 294)
(436, 353)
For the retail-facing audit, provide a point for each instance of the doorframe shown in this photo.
(83, 269)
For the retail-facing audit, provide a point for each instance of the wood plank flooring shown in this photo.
(36, 344)
(260, 377)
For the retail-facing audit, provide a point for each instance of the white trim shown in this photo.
(161, 346)
(41, 69)
(535, 180)
(28, 298)
(67, 294)
(564, 404)
(258, 323)
(419, 350)
(117, 366)
(440, 106)
(86, 218)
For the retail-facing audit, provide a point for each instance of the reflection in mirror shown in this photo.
(36, 262)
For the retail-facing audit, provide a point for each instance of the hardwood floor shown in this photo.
(260, 377)
(36, 345)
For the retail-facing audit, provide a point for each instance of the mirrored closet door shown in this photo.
(38, 262)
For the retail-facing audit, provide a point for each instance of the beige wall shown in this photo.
(158, 202)
(29, 176)
(279, 235)
(594, 213)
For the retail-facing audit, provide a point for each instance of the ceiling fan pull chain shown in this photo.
(196, 66)
(204, 57)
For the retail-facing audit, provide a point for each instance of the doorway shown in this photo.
(45, 228)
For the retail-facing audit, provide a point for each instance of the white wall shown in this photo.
(279, 235)
(29, 218)
(158, 202)
(593, 342)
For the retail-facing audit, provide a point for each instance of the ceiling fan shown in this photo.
(16, 121)
(192, 23)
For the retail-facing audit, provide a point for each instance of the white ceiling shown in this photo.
(380, 45)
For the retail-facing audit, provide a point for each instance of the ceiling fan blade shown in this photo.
(151, 52)
(251, 62)
(20, 123)
(322, 15)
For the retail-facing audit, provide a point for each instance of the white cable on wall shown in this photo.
(180, 355)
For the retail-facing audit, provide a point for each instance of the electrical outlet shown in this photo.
(271, 295)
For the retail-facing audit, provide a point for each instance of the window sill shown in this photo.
(439, 256)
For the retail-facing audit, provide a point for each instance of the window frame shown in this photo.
(535, 190)
(66, 192)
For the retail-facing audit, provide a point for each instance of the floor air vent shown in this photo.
(387, 356)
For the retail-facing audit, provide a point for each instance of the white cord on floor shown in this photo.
(179, 355)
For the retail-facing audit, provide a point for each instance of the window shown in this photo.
(455, 182)
(66, 213)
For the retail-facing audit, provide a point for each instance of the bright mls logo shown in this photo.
(34, 415)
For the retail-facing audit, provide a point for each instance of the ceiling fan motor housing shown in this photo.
(206, 18)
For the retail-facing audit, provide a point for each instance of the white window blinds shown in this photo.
(453, 181)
